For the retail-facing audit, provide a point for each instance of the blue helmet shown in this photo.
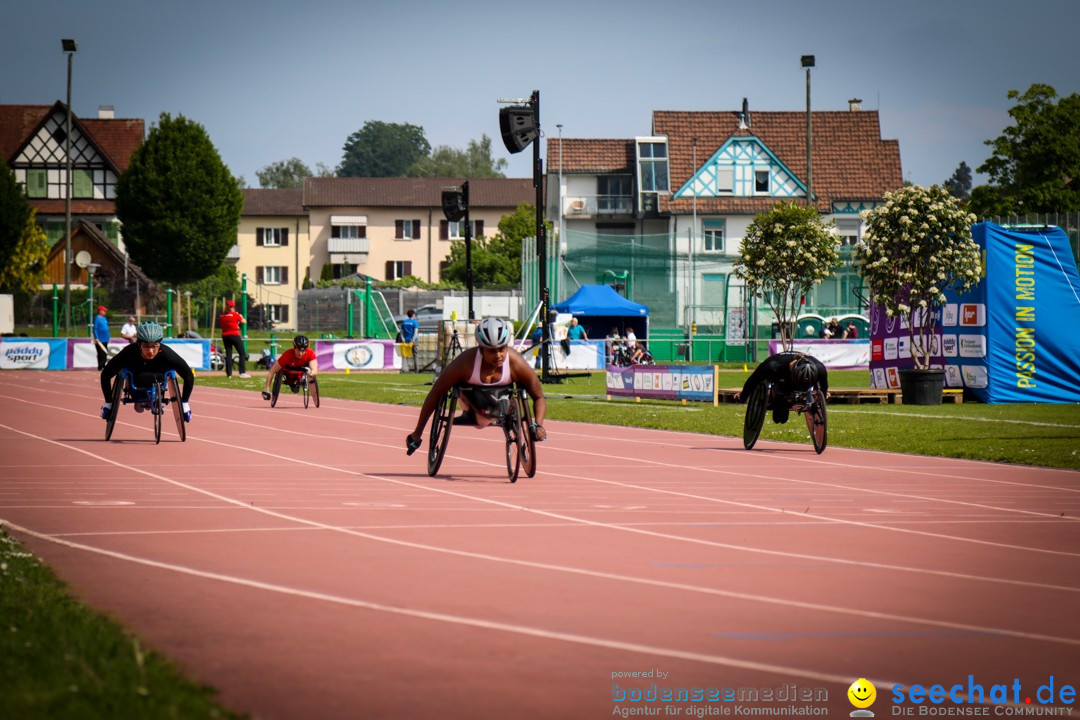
(149, 332)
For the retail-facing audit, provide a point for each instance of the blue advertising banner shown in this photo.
(33, 354)
(663, 382)
(1011, 338)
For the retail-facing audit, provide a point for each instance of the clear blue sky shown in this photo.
(270, 80)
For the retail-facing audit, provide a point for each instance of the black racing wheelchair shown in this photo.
(154, 397)
(298, 381)
(512, 413)
(809, 403)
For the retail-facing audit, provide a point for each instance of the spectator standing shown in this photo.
(852, 332)
(409, 328)
(230, 322)
(101, 337)
(129, 329)
(834, 331)
(575, 331)
(614, 340)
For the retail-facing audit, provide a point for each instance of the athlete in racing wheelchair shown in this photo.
(784, 382)
(296, 368)
(490, 381)
(144, 374)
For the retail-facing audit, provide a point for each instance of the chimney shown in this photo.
(105, 112)
(854, 104)
(745, 123)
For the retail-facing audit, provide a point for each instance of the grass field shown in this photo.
(58, 659)
(1027, 434)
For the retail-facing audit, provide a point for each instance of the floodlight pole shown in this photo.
(468, 247)
(70, 47)
(541, 242)
(808, 62)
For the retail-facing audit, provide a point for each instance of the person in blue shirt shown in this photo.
(409, 329)
(101, 337)
(575, 331)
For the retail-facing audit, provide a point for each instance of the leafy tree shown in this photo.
(25, 268)
(1035, 166)
(383, 150)
(916, 246)
(223, 283)
(179, 204)
(785, 252)
(289, 173)
(959, 185)
(447, 162)
(14, 212)
(496, 261)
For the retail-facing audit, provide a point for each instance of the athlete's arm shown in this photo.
(181, 368)
(113, 368)
(458, 371)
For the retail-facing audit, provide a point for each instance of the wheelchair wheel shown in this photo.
(514, 441)
(276, 389)
(157, 409)
(177, 406)
(306, 390)
(117, 400)
(314, 383)
(528, 442)
(442, 421)
(815, 422)
(756, 405)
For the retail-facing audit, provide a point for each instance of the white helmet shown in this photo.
(493, 332)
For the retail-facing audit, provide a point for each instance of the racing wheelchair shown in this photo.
(299, 381)
(512, 414)
(154, 398)
(809, 403)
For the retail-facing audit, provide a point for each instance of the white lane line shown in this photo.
(497, 503)
(525, 630)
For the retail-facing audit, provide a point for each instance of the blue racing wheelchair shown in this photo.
(155, 398)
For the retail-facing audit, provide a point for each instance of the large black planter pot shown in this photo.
(921, 387)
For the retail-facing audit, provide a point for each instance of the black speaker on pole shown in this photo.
(453, 205)
(517, 124)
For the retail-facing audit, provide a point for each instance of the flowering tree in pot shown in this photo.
(916, 246)
(785, 252)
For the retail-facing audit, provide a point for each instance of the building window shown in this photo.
(272, 237)
(36, 186)
(761, 181)
(277, 314)
(348, 232)
(725, 178)
(407, 229)
(653, 166)
(714, 236)
(397, 269)
(613, 194)
(271, 275)
(456, 230)
(848, 230)
(343, 270)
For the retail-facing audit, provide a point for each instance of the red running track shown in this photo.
(300, 562)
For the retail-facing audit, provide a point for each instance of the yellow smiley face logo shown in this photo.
(862, 693)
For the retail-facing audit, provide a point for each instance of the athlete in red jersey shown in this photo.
(295, 361)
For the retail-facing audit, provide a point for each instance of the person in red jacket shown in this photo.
(231, 321)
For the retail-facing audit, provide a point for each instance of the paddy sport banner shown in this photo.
(1011, 338)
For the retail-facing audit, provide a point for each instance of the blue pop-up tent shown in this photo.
(598, 308)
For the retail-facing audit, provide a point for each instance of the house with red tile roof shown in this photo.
(33, 144)
(667, 211)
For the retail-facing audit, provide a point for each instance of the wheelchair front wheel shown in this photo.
(815, 422)
(157, 409)
(756, 405)
(512, 431)
(177, 406)
(276, 389)
(306, 390)
(117, 400)
(528, 442)
(441, 423)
